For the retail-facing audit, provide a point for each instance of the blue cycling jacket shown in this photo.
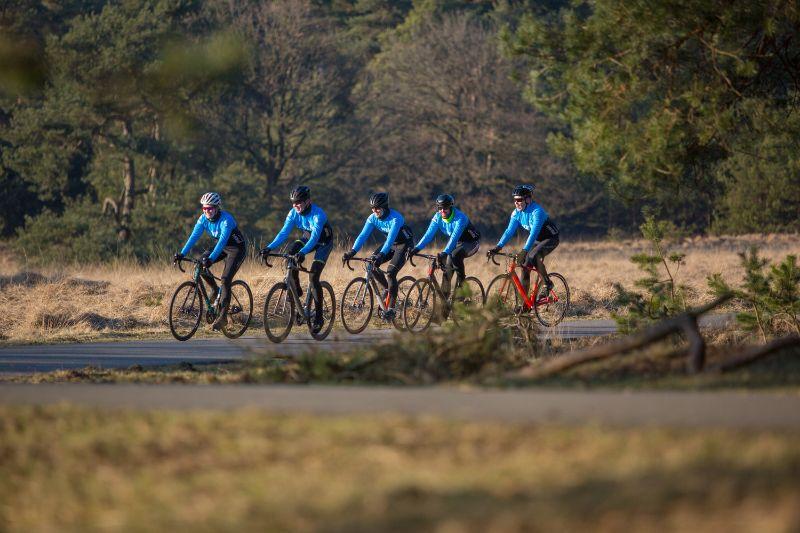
(453, 227)
(532, 218)
(220, 229)
(390, 225)
(312, 222)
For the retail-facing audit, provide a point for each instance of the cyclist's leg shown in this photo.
(235, 256)
(321, 253)
(395, 264)
(546, 247)
(293, 249)
(461, 252)
(209, 279)
(379, 277)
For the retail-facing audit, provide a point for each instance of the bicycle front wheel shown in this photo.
(503, 293)
(185, 310)
(328, 312)
(357, 305)
(278, 312)
(240, 310)
(403, 286)
(420, 306)
(552, 306)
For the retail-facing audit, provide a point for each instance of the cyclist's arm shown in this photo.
(394, 229)
(226, 228)
(513, 224)
(285, 230)
(368, 226)
(197, 232)
(539, 218)
(317, 224)
(423, 242)
(458, 228)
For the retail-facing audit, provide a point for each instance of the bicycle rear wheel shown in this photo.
(185, 310)
(551, 307)
(240, 310)
(403, 285)
(357, 305)
(278, 312)
(502, 292)
(328, 312)
(470, 295)
(420, 306)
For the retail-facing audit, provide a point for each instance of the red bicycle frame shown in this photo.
(529, 303)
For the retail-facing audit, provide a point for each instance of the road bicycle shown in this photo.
(358, 299)
(191, 297)
(283, 307)
(425, 300)
(550, 306)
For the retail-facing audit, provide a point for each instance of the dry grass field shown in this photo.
(77, 469)
(120, 300)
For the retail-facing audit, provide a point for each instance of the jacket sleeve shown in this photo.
(226, 227)
(197, 232)
(513, 224)
(458, 228)
(317, 223)
(368, 226)
(397, 223)
(281, 236)
(539, 218)
(423, 242)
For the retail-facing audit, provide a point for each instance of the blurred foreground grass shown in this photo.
(77, 469)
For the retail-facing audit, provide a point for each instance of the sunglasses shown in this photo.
(520, 200)
(209, 207)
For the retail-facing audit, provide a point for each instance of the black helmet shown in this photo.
(379, 200)
(524, 191)
(444, 201)
(300, 194)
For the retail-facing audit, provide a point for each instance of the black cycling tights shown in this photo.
(233, 257)
(536, 257)
(313, 278)
(455, 262)
(396, 259)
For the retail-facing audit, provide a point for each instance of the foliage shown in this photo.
(663, 296)
(657, 98)
(480, 345)
(772, 294)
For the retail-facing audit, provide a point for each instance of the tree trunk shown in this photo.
(128, 190)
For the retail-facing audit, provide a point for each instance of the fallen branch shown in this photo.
(685, 322)
(754, 353)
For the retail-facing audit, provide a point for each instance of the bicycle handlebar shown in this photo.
(424, 256)
(289, 257)
(188, 260)
(364, 259)
(491, 256)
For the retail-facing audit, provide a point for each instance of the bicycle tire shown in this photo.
(240, 311)
(503, 292)
(195, 312)
(279, 312)
(551, 308)
(358, 303)
(399, 304)
(470, 295)
(421, 306)
(328, 312)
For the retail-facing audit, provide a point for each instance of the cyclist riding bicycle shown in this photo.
(542, 239)
(230, 247)
(317, 237)
(399, 238)
(464, 240)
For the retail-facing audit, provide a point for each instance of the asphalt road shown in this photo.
(49, 357)
(673, 409)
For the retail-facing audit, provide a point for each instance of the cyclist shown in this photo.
(317, 237)
(464, 240)
(542, 239)
(230, 247)
(399, 238)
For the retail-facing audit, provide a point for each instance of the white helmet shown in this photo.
(211, 198)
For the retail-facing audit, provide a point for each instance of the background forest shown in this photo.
(116, 116)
